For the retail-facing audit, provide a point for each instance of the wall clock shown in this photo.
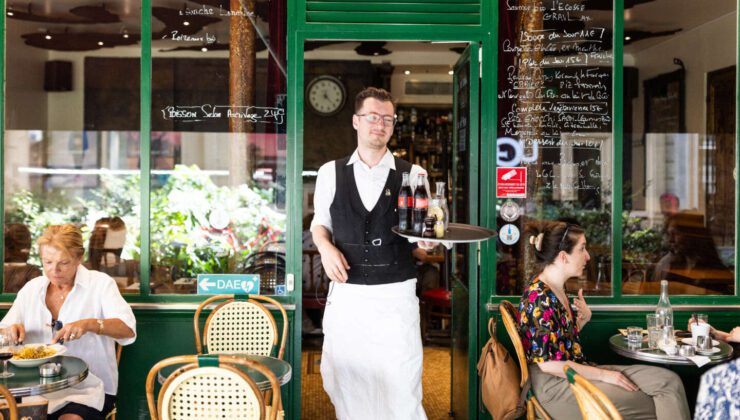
(326, 95)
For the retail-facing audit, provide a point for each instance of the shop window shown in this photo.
(218, 145)
(679, 148)
(554, 139)
(66, 142)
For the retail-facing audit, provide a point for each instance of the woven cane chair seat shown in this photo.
(241, 326)
(210, 388)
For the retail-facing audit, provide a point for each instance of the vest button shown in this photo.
(367, 232)
(366, 251)
(366, 260)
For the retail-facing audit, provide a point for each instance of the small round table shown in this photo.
(27, 381)
(642, 352)
(280, 368)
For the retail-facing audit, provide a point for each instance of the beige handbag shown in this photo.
(499, 379)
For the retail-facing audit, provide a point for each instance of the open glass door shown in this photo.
(464, 209)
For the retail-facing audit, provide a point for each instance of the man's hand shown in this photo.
(734, 335)
(584, 312)
(426, 245)
(335, 265)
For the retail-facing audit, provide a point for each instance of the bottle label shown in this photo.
(401, 201)
(421, 203)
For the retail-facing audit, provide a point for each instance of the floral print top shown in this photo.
(547, 330)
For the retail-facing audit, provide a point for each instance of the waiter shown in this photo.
(372, 355)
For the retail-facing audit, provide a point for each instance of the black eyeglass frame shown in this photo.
(382, 118)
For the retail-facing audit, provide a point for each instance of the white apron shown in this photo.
(372, 356)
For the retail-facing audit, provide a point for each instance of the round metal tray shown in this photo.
(456, 233)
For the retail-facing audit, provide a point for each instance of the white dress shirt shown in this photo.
(94, 295)
(370, 183)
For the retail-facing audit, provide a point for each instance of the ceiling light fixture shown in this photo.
(186, 23)
(47, 36)
(407, 72)
(204, 49)
(451, 72)
(627, 38)
(100, 43)
(10, 13)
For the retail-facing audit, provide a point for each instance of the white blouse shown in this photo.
(94, 295)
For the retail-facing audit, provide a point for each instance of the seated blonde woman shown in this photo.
(93, 317)
(550, 331)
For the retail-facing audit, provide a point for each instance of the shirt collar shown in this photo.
(82, 278)
(387, 160)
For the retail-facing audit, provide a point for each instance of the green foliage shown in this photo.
(196, 226)
(640, 244)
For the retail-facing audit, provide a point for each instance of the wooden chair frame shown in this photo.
(510, 318)
(254, 299)
(224, 362)
(10, 402)
(592, 402)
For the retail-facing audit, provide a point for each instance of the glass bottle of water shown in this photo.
(664, 310)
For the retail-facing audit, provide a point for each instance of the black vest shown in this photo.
(374, 253)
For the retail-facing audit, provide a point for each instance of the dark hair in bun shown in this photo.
(548, 238)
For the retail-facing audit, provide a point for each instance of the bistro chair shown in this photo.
(594, 404)
(210, 387)
(112, 414)
(9, 405)
(510, 316)
(241, 324)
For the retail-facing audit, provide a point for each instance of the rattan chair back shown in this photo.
(211, 391)
(241, 326)
(10, 402)
(510, 317)
(592, 402)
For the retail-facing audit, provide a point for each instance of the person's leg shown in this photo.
(554, 394)
(662, 386)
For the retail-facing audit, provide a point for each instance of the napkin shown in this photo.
(699, 361)
(446, 244)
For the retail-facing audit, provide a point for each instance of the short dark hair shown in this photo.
(375, 93)
(556, 236)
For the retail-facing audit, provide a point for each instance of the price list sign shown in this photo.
(555, 96)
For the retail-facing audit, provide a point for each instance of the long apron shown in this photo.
(372, 356)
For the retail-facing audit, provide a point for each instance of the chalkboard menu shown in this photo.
(555, 112)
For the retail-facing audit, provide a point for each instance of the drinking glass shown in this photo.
(654, 328)
(6, 352)
(668, 338)
(634, 334)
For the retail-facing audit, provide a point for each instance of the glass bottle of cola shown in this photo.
(405, 204)
(421, 204)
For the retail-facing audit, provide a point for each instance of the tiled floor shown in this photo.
(435, 382)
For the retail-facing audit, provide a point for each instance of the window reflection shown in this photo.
(218, 150)
(68, 129)
(679, 147)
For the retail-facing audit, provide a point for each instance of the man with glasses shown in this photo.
(372, 354)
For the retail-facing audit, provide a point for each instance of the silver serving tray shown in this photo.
(456, 233)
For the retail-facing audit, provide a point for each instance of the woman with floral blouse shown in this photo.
(550, 332)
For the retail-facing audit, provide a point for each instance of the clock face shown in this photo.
(326, 95)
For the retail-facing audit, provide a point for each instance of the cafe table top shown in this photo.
(27, 381)
(642, 352)
(280, 368)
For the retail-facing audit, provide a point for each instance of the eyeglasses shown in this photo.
(374, 118)
(562, 240)
(56, 325)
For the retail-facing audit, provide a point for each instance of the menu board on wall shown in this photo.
(554, 97)
(555, 119)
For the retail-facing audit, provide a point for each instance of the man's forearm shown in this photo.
(321, 237)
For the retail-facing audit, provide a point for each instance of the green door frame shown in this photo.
(296, 40)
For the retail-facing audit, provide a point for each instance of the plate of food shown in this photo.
(31, 355)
